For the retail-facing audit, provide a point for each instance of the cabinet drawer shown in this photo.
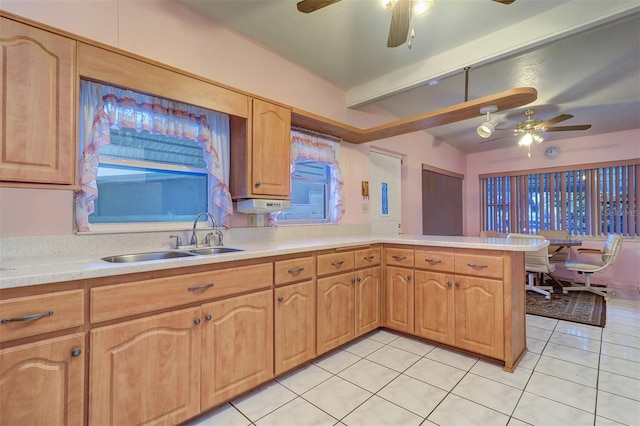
(335, 262)
(479, 265)
(367, 257)
(59, 311)
(288, 271)
(399, 257)
(434, 260)
(121, 300)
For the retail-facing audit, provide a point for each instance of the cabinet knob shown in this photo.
(358, 279)
(408, 277)
(448, 283)
(353, 280)
(207, 317)
(76, 352)
(280, 299)
(196, 321)
(457, 284)
(257, 184)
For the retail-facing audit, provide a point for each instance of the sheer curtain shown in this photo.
(310, 145)
(103, 107)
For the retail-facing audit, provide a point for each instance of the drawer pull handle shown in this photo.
(477, 265)
(433, 261)
(368, 258)
(337, 263)
(76, 352)
(295, 271)
(200, 287)
(28, 317)
(399, 258)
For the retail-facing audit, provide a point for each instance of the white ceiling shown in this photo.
(582, 56)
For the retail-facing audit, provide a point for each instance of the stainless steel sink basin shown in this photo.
(144, 257)
(214, 250)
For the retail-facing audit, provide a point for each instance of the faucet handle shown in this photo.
(178, 240)
(207, 239)
(220, 236)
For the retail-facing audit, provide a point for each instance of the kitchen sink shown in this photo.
(214, 250)
(144, 257)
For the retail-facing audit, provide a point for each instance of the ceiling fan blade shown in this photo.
(504, 1)
(567, 128)
(400, 20)
(549, 123)
(308, 6)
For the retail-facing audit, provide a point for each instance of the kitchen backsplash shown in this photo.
(99, 245)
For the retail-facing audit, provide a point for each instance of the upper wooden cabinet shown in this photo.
(260, 151)
(37, 106)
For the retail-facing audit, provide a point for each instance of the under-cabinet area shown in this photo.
(166, 346)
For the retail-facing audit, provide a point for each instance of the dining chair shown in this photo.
(557, 253)
(609, 254)
(537, 266)
(489, 234)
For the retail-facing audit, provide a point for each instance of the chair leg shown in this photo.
(543, 289)
(587, 287)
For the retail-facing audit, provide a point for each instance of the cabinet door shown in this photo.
(42, 383)
(295, 325)
(335, 324)
(367, 299)
(399, 296)
(479, 316)
(146, 371)
(237, 346)
(37, 74)
(270, 147)
(434, 306)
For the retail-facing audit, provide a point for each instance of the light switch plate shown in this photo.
(260, 220)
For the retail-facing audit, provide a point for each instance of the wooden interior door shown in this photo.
(441, 203)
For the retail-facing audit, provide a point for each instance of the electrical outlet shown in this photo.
(365, 207)
(253, 219)
(260, 220)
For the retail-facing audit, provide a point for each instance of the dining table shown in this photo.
(561, 243)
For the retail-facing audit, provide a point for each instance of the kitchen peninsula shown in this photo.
(166, 325)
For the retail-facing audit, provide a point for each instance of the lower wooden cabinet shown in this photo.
(42, 383)
(367, 300)
(295, 325)
(479, 316)
(460, 311)
(146, 371)
(237, 346)
(399, 299)
(335, 319)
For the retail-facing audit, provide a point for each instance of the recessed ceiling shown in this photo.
(583, 57)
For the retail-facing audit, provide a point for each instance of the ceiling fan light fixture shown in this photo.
(420, 7)
(526, 139)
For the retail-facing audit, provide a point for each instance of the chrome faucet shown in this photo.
(194, 237)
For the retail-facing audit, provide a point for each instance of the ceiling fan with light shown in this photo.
(529, 129)
(402, 11)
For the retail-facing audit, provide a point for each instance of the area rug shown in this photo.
(577, 306)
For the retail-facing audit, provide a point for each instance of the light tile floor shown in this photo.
(572, 375)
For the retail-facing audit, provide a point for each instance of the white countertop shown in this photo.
(52, 269)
